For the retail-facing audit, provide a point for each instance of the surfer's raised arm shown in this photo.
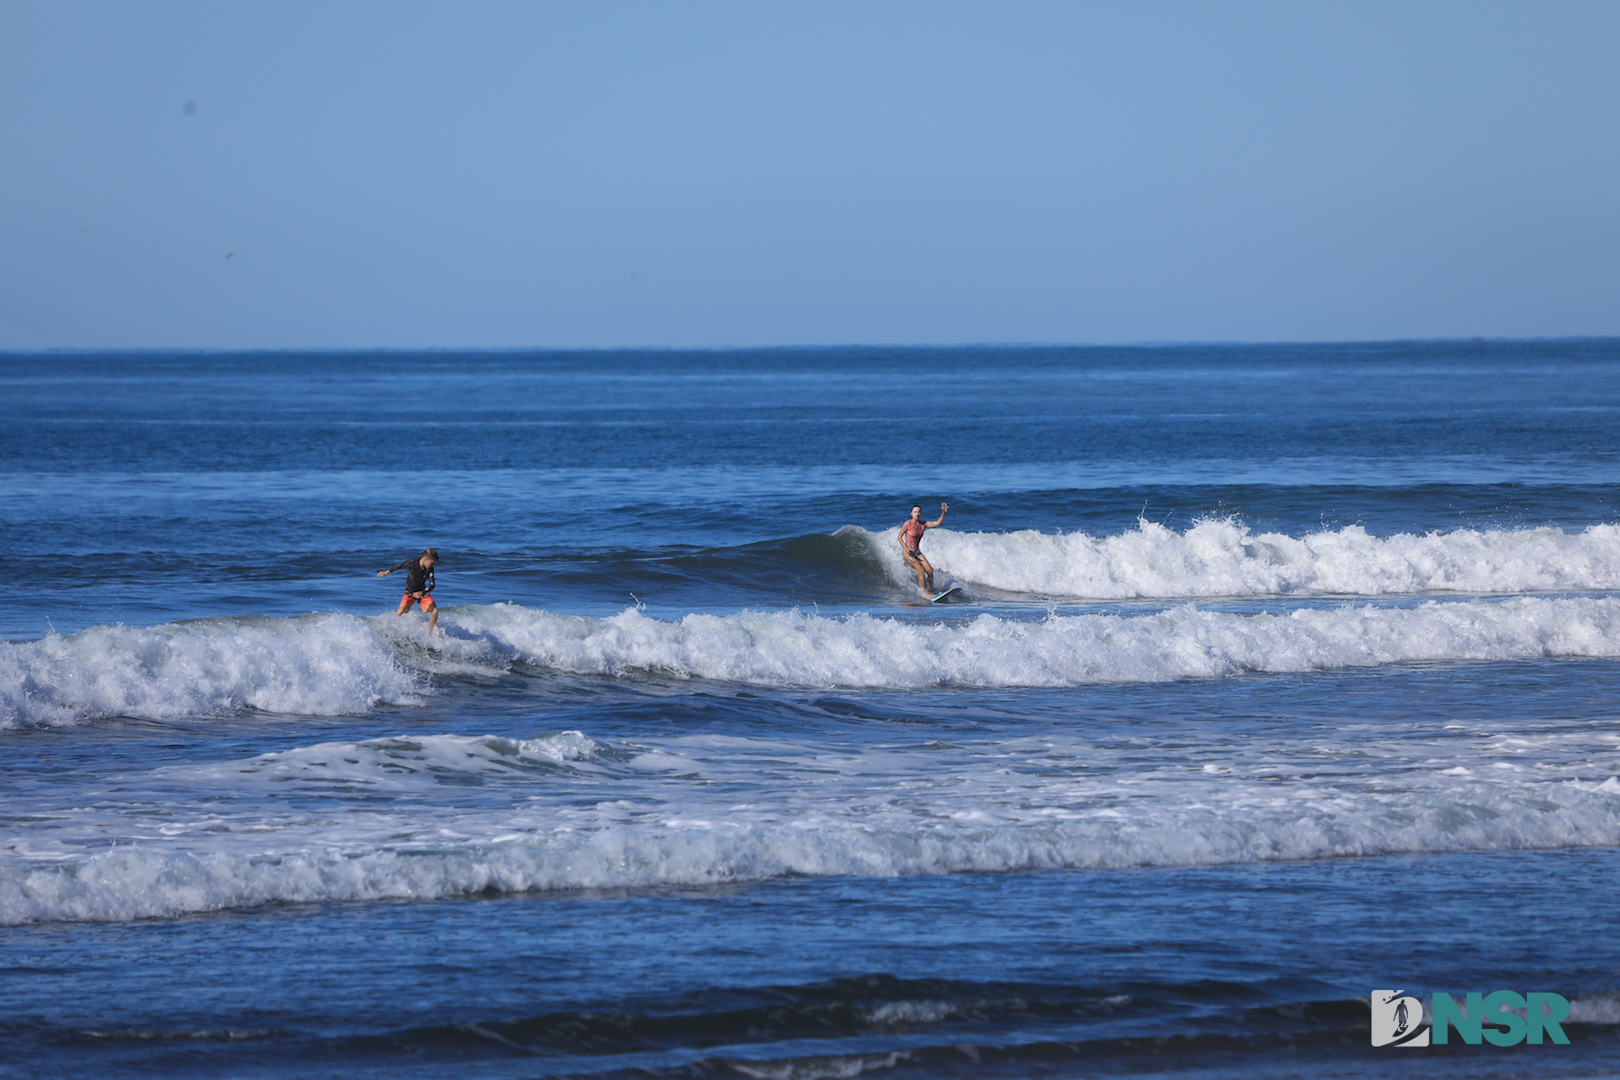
(935, 523)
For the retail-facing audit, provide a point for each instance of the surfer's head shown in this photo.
(430, 555)
(916, 511)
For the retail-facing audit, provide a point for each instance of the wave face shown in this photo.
(368, 820)
(1223, 558)
(337, 664)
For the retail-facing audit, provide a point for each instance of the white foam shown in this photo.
(1224, 558)
(336, 664)
(830, 1067)
(403, 763)
(916, 1012)
(860, 651)
(1595, 1009)
(134, 882)
(696, 810)
(312, 665)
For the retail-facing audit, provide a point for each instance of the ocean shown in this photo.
(1279, 675)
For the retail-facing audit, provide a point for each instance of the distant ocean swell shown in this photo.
(1224, 558)
(336, 664)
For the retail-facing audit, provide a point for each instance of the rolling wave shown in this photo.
(336, 664)
(368, 854)
(861, 651)
(314, 665)
(1224, 558)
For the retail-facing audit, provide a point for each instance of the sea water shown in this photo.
(1279, 675)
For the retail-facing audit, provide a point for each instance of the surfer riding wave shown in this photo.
(418, 585)
(910, 537)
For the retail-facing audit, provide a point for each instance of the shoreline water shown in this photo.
(1149, 979)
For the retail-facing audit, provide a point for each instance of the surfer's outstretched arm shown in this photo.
(935, 523)
(418, 585)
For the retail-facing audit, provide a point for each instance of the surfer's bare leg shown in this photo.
(925, 572)
(404, 605)
(433, 615)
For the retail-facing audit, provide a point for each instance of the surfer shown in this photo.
(418, 585)
(911, 534)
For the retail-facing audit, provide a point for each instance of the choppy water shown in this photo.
(1278, 675)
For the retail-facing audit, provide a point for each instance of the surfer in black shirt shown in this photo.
(418, 585)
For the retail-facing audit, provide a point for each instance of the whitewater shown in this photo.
(328, 665)
(1226, 558)
(361, 821)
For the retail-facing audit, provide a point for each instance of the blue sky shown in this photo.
(694, 174)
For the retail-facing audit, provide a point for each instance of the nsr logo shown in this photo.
(1502, 1018)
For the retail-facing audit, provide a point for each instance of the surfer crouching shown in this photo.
(418, 585)
(911, 534)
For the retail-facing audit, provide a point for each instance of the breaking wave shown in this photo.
(705, 847)
(1224, 558)
(314, 665)
(336, 664)
(866, 652)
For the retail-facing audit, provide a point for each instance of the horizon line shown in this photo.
(1475, 339)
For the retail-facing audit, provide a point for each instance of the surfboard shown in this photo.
(952, 591)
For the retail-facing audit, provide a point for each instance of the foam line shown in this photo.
(135, 882)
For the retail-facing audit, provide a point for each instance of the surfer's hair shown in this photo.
(431, 553)
(916, 506)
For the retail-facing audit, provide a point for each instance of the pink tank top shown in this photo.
(914, 533)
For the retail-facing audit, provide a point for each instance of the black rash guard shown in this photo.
(417, 577)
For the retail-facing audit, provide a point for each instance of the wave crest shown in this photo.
(336, 664)
(862, 651)
(1224, 558)
(313, 665)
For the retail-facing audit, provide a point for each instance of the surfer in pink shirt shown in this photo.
(911, 534)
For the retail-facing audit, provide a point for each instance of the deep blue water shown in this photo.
(1279, 675)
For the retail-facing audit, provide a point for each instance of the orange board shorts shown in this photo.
(408, 600)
